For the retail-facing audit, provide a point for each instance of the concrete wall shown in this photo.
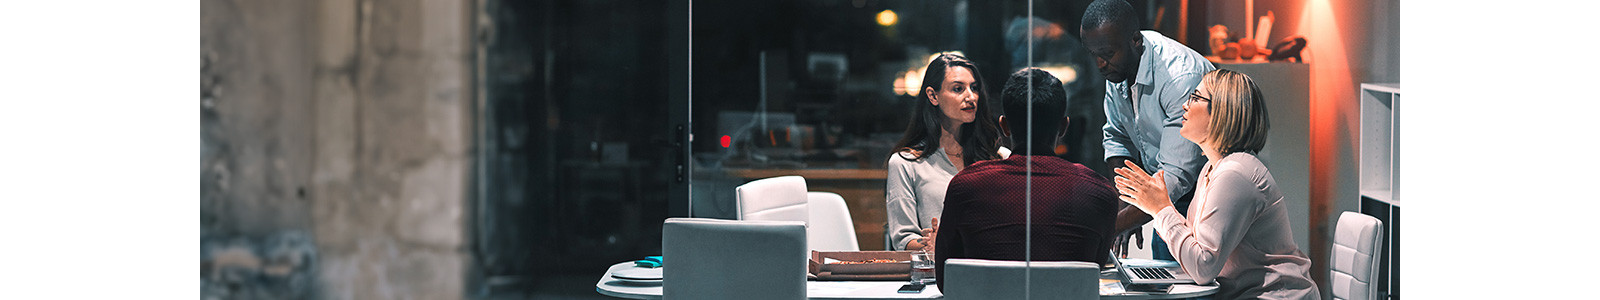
(347, 119)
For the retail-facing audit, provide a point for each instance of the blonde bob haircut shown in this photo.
(1238, 112)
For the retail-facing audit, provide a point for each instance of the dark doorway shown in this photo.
(579, 144)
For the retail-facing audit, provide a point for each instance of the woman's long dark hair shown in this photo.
(979, 140)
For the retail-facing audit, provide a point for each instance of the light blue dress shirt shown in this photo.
(1168, 72)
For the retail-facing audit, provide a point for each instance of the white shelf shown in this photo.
(1392, 88)
(1379, 151)
(1385, 196)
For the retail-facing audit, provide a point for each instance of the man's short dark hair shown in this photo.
(1116, 12)
(1049, 100)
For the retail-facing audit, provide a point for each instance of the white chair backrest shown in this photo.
(830, 227)
(995, 279)
(1354, 266)
(729, 259)
(773, 199)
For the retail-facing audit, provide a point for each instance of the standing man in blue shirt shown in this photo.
(1148, 79)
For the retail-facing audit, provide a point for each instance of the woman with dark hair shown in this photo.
(1237, 230)
(950, 129)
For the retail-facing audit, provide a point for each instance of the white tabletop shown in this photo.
(1178, 291)
(860, 289)
(621, 289)
(814, 289)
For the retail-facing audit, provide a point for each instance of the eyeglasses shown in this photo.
(1195, 97)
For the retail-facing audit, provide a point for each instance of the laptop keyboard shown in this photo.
(1151, 273)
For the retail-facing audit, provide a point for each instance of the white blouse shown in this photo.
(1238, 234)
(914, 193)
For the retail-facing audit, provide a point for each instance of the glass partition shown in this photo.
(821, 89)
(598, 120)
(827, 89)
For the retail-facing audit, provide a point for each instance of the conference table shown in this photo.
(831, 290)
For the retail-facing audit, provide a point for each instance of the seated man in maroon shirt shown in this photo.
(1074, 208)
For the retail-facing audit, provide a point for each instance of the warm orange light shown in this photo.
(1061, 149)
(913, 81)
(912, 78)
(900, 84)
(887, 18)
(1066, 74)
(1332, 114)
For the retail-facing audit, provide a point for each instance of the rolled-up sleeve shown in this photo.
(901, 203)
(1180, 157)
(1217, 223)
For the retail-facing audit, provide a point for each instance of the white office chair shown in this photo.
(773, 199)
(831, 227)
(996, 279)
(729, 259)
(785, 198)
(1354, 269)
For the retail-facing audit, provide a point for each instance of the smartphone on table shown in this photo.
(912, 288)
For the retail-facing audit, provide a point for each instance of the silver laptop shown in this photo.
(1151, 275)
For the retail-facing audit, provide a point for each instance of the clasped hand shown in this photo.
(1148, 193)
(929, 236)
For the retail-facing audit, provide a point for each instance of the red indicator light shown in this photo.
(726, 141)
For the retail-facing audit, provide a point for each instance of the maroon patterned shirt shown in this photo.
(1074, 211)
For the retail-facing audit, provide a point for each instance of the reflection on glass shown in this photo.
(922, 267)
(820, 89)
(825, 89)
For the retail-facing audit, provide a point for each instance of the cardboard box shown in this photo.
(900, 266)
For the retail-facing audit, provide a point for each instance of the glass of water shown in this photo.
(922, 268)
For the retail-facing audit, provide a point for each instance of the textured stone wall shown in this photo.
(349, 120)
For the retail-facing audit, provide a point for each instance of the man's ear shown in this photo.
(1061, 130)
(1137, 39)
(1005, 130)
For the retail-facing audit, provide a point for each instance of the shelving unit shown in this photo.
(1380, 174)
(1380, 142)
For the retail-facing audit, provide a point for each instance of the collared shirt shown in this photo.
(1147, 130)
(1237, 233)
(1074, 212)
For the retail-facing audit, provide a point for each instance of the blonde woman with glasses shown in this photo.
(1237, 230)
